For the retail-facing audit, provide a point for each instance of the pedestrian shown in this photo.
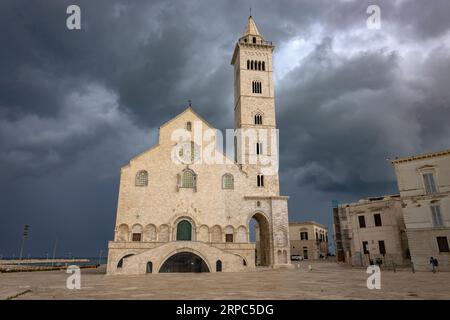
(433, 266)
(436, 264)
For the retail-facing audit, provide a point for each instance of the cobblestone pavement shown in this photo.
(326, 280)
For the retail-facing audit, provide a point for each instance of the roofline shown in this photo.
(309, 222)
(420, 156)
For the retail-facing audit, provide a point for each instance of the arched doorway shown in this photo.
(120, 263)
(184, 230)
(184, 262)
(260, 234)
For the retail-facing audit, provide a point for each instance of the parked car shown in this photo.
(296, 257)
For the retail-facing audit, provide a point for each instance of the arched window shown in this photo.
(260, 180)
(254, 39)
(263, 66)
(259, 65)
(251, 65)
(189, 126)
(227, 181)
(248, 64)
(256, 87)
(258, 119)
(188, 179)
(141, 178)
(218, 266)
(184, 231)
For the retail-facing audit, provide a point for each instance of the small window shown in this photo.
(260, 180)
(382, 247)
(218, 266)
(442, 244)
(141, 179)
(430, 186)
(377, 218)
(251, 65)
(362, 221)
(229, 237)
(304, 235)
(258, 203)
(227, 181)
(189, 126)
(365, 248)
(259, 148)
(254, 39)
(317, 236)
(263, 66)
(137, 237)
(248, 64)
(259, 65)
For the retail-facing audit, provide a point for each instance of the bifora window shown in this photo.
(141, 179)
(260, 180)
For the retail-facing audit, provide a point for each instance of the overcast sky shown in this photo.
(75, 106)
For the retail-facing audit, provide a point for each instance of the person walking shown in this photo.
(436, 264)
(433, 266)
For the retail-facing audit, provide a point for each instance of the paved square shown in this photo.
(326, 280)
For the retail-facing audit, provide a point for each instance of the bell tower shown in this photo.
(254, 104)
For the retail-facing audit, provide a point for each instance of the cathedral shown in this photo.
(187, 206)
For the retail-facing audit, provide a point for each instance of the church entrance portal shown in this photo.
(184, 230)
(184, 262)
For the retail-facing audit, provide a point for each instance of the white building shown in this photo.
(424, 184)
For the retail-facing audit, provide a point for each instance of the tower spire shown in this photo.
(250, 28)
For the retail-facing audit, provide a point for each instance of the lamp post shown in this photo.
(24, 237)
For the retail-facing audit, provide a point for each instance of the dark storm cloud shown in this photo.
(77, 105)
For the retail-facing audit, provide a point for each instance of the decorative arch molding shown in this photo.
(175, 220)
(123, 232)
(262, 213)
(203, 233)
(242, 234)
(216, 233)
(164, 233)
(150, 233)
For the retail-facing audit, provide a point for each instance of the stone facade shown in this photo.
(369, 230)
(424, 185)
(309, 240)
(185, 196)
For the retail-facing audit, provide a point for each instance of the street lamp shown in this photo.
(24, 237)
